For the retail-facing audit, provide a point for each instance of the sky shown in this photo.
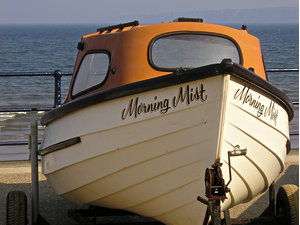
(100, 11)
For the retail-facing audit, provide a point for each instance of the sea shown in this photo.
(46, 48)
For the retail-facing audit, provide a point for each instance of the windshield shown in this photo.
(191, 51)
(92, 71)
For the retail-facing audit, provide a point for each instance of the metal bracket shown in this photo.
(215, 191)
(215, 188)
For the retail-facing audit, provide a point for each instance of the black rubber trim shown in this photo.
(59, 146)
(227, 66)
(264, 85)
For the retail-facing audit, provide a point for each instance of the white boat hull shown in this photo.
(152, 162)
(256, 122)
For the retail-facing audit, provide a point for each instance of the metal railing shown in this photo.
(57, 75)
(284, 70)
(281, 70)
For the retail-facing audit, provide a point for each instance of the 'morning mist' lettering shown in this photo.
(189, 95)
(246, 97)
(185, 94)
(136, 108)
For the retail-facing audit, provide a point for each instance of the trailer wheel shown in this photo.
(16, 208)
(287, 204)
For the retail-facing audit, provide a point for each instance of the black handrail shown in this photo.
(35, 74)
(27, 109)
(281, 70)
(15, 142)
(57, 74)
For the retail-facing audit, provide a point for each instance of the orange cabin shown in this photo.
(127, 53)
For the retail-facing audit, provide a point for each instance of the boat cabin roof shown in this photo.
(127, 53)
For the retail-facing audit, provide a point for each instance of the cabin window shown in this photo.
(191, 50)
(92, 72)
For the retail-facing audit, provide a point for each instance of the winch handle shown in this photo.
(236, 152)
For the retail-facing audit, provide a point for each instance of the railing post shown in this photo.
(57, 82)
(34, 169)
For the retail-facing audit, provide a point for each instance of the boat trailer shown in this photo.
(283, 210)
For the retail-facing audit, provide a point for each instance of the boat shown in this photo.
(153, 110)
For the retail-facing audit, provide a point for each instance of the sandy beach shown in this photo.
(16, 175)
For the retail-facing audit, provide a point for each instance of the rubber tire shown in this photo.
(16, 208)
(287, 204)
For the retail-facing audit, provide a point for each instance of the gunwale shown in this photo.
(227, 66)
